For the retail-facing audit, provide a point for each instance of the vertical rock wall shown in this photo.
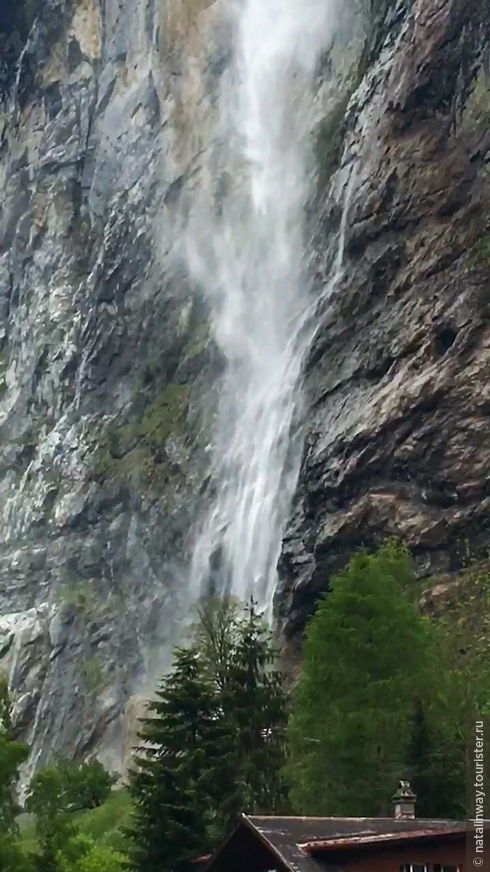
(399, 429)
(103, 350)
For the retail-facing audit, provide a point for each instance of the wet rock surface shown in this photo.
(398, 433)
(103, 351)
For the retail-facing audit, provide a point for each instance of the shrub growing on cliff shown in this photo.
(367, 656)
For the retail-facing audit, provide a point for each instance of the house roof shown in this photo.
(361, 841)
(295, 840)
(310, 829)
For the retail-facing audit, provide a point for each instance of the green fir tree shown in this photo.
(367, 657)
(178, 747)
(214, 744)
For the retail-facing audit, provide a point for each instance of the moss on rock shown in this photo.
(329, 139)
(134, 452)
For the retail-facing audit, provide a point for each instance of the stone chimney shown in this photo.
(404, 803)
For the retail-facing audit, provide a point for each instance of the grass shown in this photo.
(104, 825)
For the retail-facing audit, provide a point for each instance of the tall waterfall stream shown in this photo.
(250, 259)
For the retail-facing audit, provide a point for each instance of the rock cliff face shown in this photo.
(104, 353)
(103, 348)
(399, 428)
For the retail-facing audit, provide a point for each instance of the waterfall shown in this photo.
(246, 251)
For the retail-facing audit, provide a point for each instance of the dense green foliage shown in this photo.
(385, 692)
(55, 793)
(169, 788)
(55, 829)
(240, 654)
(12, 755)
(93, 858)
(103, 825)
(365, 659)
(85, 785)
(213, 744)
(461, 637)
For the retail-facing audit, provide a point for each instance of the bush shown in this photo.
(86, 785)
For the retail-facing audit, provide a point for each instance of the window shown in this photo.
(436, 867)
(445, 867)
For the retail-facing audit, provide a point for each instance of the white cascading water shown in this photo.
(249, 259)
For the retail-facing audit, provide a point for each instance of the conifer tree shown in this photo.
(213, 743)
(367, 657)
(434, 763)
(254, 710)
(178, 747)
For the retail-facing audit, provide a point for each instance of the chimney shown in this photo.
(404, 803)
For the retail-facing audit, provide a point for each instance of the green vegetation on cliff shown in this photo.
(134, 451)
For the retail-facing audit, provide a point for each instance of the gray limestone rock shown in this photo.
(398, 440)
(102, 353)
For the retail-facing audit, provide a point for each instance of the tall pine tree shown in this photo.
(254, 709)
